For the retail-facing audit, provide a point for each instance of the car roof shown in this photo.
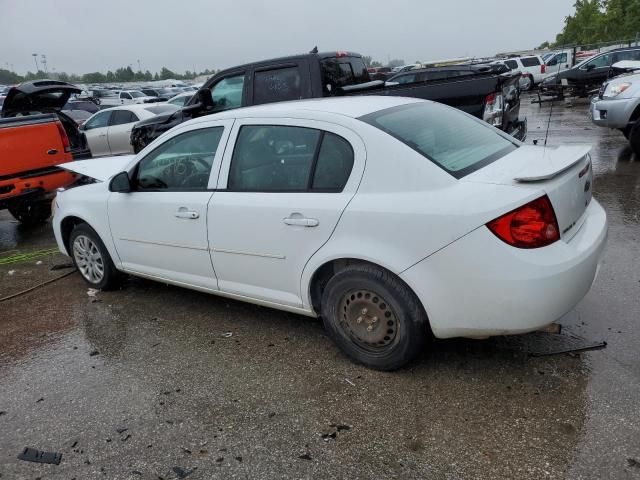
(353, 107)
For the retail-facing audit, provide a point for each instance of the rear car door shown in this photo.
(96, 130)
(160, 227)
(119, 132)
(282, 190)
(279, 83)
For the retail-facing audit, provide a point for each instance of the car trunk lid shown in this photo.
(37, 96)
(563, 173)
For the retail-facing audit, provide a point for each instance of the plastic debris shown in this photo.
(227, 335)
(349, 382)
(11, 272)
(39, 262)
(39, 456)
(92, 292)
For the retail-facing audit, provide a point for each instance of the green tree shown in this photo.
(8, 77)
(166, 74)
(95, 77)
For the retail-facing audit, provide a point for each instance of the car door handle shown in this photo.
(184, 213)
(301, 221)
(53, 151)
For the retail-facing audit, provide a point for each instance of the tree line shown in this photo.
(599, 21)
(123, 74)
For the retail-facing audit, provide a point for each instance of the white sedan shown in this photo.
(391, 218)
(108, 131)
(181, 99)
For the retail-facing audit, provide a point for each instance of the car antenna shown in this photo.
(546, 135)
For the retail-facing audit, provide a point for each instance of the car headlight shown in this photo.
(615, 90)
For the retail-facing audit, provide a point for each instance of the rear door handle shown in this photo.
(184, 213)
(301, 221)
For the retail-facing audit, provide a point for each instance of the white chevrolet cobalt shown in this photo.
(393, 219)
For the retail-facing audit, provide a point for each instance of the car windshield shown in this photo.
(455, 142)
(136, 94)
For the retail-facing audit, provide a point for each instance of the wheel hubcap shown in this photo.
(368, 318)
(88, 259)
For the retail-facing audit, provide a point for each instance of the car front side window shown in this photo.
(228, 93)
(182, 163)
(98, 121)
(599, 62)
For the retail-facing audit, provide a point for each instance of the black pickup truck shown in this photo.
(487, 92)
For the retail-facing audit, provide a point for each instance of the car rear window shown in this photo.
(452, 140)
(530, 61)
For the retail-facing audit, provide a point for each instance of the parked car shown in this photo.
(2, 97)
(510, 229)
(491, 93)
(617, 105)
(162, 93)
(181, 99)
(35, 137)
(379, 73)
(81, 105)
(128, 97)
(78, 116)
(532, 68)
(589, 74)
(108, 132)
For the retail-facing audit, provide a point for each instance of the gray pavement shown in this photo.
(141, 384)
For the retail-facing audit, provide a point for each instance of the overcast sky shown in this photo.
(82, 36)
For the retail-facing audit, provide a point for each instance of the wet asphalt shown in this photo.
(158, 382)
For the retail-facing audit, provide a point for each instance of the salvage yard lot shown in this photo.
(159, 382)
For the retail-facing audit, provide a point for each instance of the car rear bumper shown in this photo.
(42, 180)
(479, 286)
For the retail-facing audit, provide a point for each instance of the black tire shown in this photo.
(110, 278)
(30, 213)
(626, 131)
(530, 85)
(385, 330)
(634, 138)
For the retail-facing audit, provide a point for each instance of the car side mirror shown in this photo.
(82, 127)
(120, 183)
(202, 101)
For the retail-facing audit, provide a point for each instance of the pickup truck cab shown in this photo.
(128, 97)
(487, 94)
(36, 137)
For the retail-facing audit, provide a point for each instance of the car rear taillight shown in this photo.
(533, 225)
(64, 137)
(543, 68)
(493, 112)
(341, 54)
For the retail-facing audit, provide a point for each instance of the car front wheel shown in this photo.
(374, 317)
(92, 259)
(634, 138)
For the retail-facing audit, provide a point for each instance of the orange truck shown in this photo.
(35, 137)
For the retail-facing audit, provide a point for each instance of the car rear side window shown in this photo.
(120, 117)
(181, 163)
(453, 141)
(277, 85)
(341, 72)
(279, 158)
(99, 120)
(530, 61)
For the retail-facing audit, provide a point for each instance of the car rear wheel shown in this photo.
(30, 213)
(92, 259)
(374, 317)
(527, 83)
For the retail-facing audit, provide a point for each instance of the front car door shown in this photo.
(596, 69)
(160, 228)
(119, 132)
(281, 192)
(96, 129)
(228, 92)
(125, 98)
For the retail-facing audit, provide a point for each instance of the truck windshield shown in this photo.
(455, 142)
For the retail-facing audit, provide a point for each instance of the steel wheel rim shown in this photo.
(368, 319)
(527, 85)
(88, 259)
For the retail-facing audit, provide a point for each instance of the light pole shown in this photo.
(43, 58)
(139, 67)
(35, 59)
